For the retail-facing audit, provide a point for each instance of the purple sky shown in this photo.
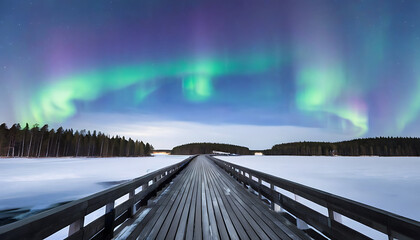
(252, 73)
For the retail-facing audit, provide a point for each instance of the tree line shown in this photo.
(39, 141)
(380, 146)
(207, 148)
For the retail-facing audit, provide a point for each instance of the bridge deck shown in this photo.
(204, 202)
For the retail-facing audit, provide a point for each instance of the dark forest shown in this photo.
(381, 146)
(38, 141)
(207, 148)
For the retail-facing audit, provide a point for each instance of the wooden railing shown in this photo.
(266, 185)
(73, 214)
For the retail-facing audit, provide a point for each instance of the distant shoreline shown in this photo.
(380, 146)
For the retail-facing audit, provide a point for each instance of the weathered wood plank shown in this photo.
(173, 217)
(180, 231)
(225, 211)
(189, 231)
(214, 230)
(145, 226)
(162, 225)
(198, 230)
(252, 217)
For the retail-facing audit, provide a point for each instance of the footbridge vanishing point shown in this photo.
(204, 197)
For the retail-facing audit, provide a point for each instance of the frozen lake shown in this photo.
(38, 183)
(389, 183)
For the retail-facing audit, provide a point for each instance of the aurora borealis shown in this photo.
(345, 69)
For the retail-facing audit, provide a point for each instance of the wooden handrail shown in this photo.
(393, 225)
(72, 214)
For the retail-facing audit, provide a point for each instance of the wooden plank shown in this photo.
(282, 228)
(279, 220)
(250, 217)
(204, 212)
(245, 199)
(147, 220)
(171, 231)
(189, 231)
(216, 207)
(227, 213)
(214, 231)
(165, 206)
(198, 230)
(196, 206)
(161, 227)
(180, 231)
(94, 227)
(242, 218)
(235, 218)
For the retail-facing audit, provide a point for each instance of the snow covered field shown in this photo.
(389, 183)
(38, 183)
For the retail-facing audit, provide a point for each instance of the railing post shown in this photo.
(272, 195)
(334, 216)
(390, 237)
(259, 188)
(109, 220)
(132, 209)
(143, 188)
(300, 223)
(244, 179)
(76, 226)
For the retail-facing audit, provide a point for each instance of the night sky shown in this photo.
(252, 73)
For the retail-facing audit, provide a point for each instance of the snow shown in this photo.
(389, 183)
(38, 183)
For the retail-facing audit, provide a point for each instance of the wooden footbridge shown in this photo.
(203, 197)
